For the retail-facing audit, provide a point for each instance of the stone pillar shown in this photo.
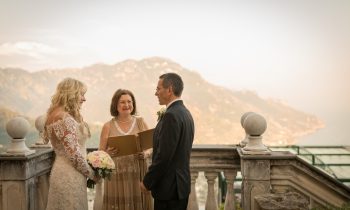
(254, 167)
(230, 176)
(24, 180)
(23, 172)
(193, 203)
(255, 181)
(211, 203)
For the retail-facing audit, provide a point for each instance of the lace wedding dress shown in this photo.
(70, 169)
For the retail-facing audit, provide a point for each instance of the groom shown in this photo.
(168, 177)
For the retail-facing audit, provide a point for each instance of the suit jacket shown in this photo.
(169, 177)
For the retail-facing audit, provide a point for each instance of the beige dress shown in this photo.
(70, 169)
(123, 191)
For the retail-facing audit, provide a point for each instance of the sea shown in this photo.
(335, 133)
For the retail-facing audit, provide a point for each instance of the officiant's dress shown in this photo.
(123, 191)
(70, 169)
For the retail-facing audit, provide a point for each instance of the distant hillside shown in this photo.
(216, 110)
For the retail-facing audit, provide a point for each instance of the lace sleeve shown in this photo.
(67, 133)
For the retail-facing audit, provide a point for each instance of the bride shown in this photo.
(67, 133)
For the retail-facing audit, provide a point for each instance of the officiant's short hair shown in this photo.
(115, 100)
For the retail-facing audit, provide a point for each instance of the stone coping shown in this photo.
(273, 155)
(38, 153)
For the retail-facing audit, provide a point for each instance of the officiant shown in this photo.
(122, 191)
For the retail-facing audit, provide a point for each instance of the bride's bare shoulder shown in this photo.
(56, 115)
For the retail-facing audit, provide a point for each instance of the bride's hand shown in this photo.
(97, 178)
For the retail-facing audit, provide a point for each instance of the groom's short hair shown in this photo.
(174, 80)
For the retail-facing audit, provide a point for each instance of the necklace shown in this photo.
(123, 121)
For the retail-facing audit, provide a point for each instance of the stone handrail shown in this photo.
(279, 174)
(291, 173)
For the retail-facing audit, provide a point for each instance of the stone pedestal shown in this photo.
(24, 180)
(255, 178)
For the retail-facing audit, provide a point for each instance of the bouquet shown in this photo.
(101, 163)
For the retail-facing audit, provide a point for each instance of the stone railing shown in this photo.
(282, 179)
(289, 173)
(270, 180)
(212, 159)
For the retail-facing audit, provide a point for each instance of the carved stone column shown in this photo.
(230, 176)
(256, 180)
(254, 166)
(192, 203)
(211, 203)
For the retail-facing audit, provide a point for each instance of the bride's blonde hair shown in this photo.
(67, 95)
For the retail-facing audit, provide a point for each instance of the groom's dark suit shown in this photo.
(169, 175)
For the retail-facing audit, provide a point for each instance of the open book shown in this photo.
(132, 144)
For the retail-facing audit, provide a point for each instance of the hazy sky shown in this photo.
(294, 50)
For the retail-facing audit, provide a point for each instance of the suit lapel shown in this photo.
(159, 124)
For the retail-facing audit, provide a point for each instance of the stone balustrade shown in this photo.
(270, 180)
(212, 159)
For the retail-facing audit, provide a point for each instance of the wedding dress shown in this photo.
(70, 169)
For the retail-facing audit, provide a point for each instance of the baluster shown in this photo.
(192, 203)
(211, 203)
(230, 176)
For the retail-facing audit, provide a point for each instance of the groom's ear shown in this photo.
(171, 89)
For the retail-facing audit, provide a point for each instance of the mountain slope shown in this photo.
(216, 110)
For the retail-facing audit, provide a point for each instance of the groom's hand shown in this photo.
(143, 188)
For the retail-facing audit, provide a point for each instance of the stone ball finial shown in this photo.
(40, 123)
(17, 127)
(244, 116)
(255, 124)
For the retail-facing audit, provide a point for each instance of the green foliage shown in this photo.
(238, 206)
